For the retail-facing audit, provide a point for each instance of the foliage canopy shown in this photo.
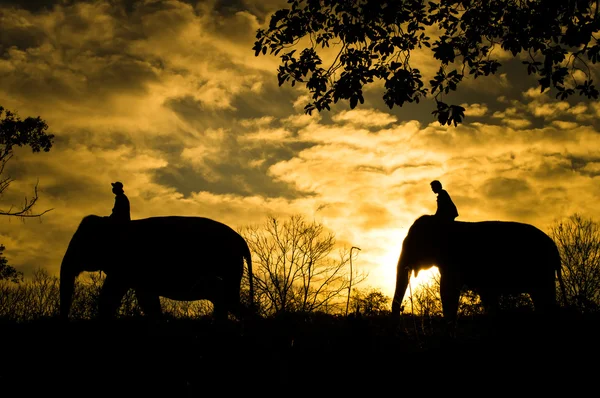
(17, 132)
(376, 40)
(7, 272)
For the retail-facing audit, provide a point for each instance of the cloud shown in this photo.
(548, 110)
(517, 123)
(505, 189)
(541, 105)
(475, 110)
(365, 117)
(564, 125)
(535, 92)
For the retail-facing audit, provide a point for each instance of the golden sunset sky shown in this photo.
(168, 97)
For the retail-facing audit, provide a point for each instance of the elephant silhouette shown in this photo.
(180, 258)
(491, 258)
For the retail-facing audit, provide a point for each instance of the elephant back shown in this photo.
(175, 243)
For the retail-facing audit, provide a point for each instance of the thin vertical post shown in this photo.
(350, 283)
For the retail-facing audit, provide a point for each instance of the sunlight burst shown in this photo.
(386, 277)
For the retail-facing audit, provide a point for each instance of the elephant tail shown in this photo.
(557, 260)
(561, 283)
(246, 254)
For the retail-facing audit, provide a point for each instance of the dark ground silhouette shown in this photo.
(132, 357)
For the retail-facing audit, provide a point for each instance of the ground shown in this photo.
(132, 357)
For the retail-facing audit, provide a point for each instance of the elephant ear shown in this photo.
(102, 238)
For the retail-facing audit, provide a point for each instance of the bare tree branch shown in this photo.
(295, 269)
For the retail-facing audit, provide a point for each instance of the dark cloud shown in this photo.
(197, 115)
(505, 189)
(231, 171)
(371, 169)
(19, 36)
(259, 8)
(46, 5)
(76, 191)
(563, 167)
(232, 179)
(91, 139)
(47, 66)
(78, 60)
(54, 182)
(234, 175)
(225, 7)
(579, 164)
(512, 198)
(271, 101)
(122, 74)
(34, 5)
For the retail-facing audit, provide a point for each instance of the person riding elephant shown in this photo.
(120, 217)
(121, 211)
(446, 209)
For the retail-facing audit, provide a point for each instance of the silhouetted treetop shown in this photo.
(376, 39)
(17, 132)
(31, 131)
(7, 272)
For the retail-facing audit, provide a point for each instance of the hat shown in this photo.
(117, 184)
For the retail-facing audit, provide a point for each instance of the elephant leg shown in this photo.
(111, 294)
(490, 302)
(225, 296)
(220, 309)
(150, 303)
(450, 294)
(544, 300)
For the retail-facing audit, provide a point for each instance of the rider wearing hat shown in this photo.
(121, 210)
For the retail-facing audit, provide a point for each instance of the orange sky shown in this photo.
(168, 98)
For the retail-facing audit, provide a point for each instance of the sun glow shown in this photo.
(386, 273)
(425, 277)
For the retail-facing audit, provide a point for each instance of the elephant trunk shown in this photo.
(402, 277)
(67, 286)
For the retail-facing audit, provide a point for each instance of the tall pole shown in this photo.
(350, 283)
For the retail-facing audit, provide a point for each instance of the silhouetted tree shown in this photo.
(295, 269)
(374, 40)
(425, 300)
(8, 273)
(16, 132)
(578, 240)
(370, 302)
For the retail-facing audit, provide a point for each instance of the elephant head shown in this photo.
(84, 253)
(421, 249)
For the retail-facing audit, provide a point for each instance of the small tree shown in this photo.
(8, 273)
(295, 269)
(370, 302)
(17, 132)
(578, 241)
(425, 300)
